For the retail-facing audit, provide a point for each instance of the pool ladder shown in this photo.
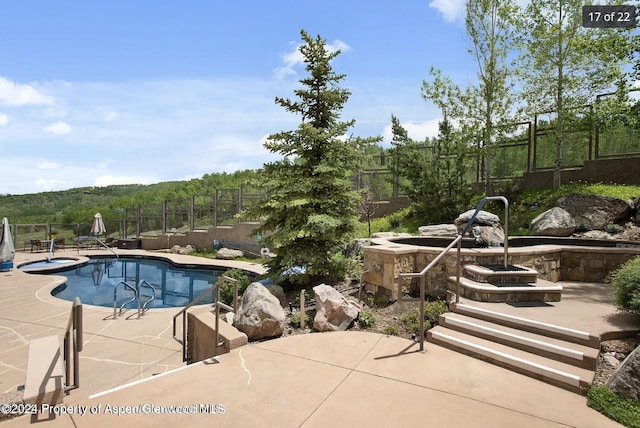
(137, 294)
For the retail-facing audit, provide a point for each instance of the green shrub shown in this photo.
(626, 286)
(432, 312)
(613, 228)
(294, 320)
(366, 319)
(226, 289)
(609, 403)
(392, 330)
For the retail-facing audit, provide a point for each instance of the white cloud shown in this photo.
(110, 116)
(451, 10)
(58, 128)
(295, 57)
(48, 165)
(4, 119)
(18, 94)
(416, 131)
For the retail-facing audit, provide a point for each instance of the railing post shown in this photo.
(77, 340)
(138, 297)
(184, 337)
(302, 326)
(67, 355)
(217, 312)
(235, 296)
(422, 290)
(458, 269)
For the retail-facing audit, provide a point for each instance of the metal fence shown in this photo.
(589, 133)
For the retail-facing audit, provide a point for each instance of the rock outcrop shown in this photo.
(488, 236)
(594, 211)
(333, 311)
(553, 222)
(228, 254)
(626, 379)
(259, 315)
(438, 230)
(484, 218)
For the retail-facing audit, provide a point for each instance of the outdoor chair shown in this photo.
(36, 245)
(58, 243)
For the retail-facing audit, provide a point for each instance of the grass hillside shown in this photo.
(523, 207)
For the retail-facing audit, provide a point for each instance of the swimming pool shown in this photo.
(96, 281)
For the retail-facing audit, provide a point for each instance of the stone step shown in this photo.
(557, 349)
(525, 324)
(501, 292)
(563, 375)
(498, 274)
(44, 382)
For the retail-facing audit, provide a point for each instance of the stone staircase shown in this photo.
(557, 355)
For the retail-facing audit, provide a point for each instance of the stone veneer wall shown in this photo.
(384, 263)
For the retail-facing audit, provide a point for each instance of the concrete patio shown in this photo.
(134, 367)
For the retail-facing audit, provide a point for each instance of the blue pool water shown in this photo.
(53, 263)
(95, 281)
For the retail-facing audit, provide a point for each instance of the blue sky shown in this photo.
(115, 92)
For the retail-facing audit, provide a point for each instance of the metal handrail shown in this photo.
(145, 283)
(506, 222)
(217, 304)
(95, 238)
(115, 298)
(458, 242)
(73, 337)
(51, 247)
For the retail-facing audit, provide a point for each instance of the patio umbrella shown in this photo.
(7, 250)
(97, 228)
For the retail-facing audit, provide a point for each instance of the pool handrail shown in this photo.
(94, 238)
(458, 242)
(145, 283)
(217, 305)
(73, 338)
(115, 298)
(51, 247)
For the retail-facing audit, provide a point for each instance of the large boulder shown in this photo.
(626, 379)
(488, 236)
(228, 254)
(594, 211)
(259, 315)
(333, 311)
(438, 230)
(278, 292)
(553, 222)
(484, 218)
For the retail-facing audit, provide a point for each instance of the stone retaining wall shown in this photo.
(384, 262)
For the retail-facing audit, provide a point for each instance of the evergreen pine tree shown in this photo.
(311, 205)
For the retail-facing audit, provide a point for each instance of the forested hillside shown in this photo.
(76, 205)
